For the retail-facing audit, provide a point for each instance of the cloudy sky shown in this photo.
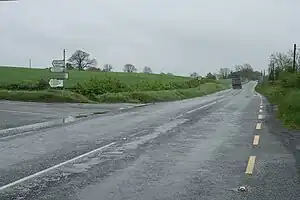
(167, 35)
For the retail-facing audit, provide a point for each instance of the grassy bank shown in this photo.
(25, 84)
(121, 97)
(16, 75)
(44, 96)
(285, 93)
(162, 95)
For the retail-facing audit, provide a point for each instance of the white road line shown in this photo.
(212, 103)
(178, 116)
(260, 116)
(260, 110)
(25, 112)
(261, 106)
(54, 167)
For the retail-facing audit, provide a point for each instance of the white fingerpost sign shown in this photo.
(54, 83)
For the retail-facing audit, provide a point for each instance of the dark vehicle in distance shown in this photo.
(236, 81)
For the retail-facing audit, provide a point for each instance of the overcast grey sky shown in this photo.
(167, 35)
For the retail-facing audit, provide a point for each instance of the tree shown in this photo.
(244, 70)
(81, 60)
(107, 68)
(282, 62)
(210, 76)
(194, 75)
(147, 70)
(224, 73)
(69, 66)
(93, 69)
(129, 68)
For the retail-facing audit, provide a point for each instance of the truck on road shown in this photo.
(236, 81)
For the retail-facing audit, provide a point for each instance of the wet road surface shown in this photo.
(15, 114)
(201, 148)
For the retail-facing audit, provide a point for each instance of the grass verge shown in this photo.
(44, 96)
(122, 97)
(160, 96)
(287, 100)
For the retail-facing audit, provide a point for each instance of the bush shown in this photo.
(160, 96)
(43, 96)
(95, 86)
(29, 85)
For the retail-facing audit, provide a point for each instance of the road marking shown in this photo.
(54, 167)
(260, 110)
(116, 152)
(260, 116)
(261, 106)
(212, 103)
(25, 112)
(250, 166)
(258, 126)
(178, 116)
(256, 140)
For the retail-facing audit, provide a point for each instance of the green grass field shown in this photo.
(140, 87)
(9, 75)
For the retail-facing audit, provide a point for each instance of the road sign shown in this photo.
(57, 69)
(66, 75)
(58, 63)
(56, 83)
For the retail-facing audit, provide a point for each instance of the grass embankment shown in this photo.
(285, 93)
(26, 85)
(15, 75)
(162, 95)
(50, 96)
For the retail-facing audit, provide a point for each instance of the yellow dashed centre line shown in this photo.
(260, 116)
(250, 166)
(256, 140)
(258, 126)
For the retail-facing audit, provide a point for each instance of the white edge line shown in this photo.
(53, 167)
(27, 112)
(201, 107)
(178, 116)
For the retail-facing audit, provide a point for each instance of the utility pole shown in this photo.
(64, 56)
(294, 58)
(30, 63)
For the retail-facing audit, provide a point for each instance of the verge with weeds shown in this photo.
(109, 89)
(285, 93)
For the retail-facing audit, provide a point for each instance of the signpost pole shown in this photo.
(64, 58)
(59, 67)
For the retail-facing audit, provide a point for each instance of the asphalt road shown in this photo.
(15, 114)
(194, 149)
